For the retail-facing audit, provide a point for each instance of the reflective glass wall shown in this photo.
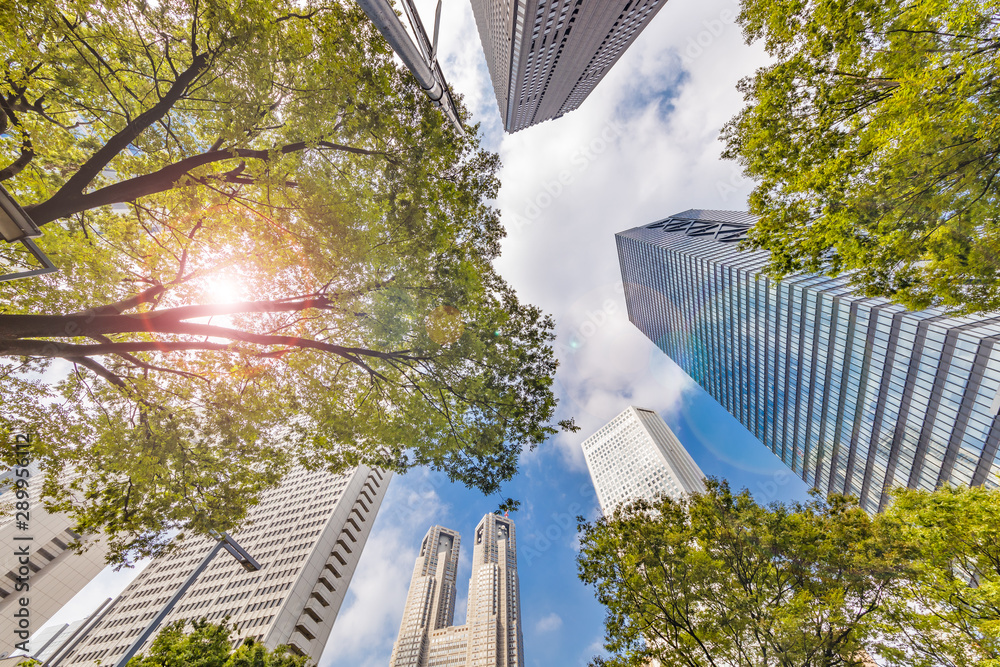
(853, 394)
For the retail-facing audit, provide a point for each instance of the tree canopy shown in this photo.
(209, 645)
(273, 251)
(719, 580)
(945, 620)
(716, 579)
(874, 140)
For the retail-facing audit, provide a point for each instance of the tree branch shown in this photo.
(67, 199)
(61, 205)
(145, 296)
(27, 149)
(136, 361)
(100, 370)
(15, 167)
(79, 353)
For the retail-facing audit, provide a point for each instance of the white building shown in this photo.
(491, 636)
(53, 574)
(49, 643)
(307, 534)
(636, 455)
(494, 616)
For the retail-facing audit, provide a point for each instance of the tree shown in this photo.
(208, 645)
(716, 579)
(874, 141)
(943, 619)
(301, 275)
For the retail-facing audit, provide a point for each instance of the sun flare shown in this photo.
(223, 289)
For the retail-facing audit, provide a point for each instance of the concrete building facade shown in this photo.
(546, 56)
(854, 394)
(636, 455)
(492, 634)
(307, 535)
(430, 602)
(55, 571)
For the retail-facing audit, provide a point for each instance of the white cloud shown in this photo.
(595, 647)
(644, 145)
(550, 623)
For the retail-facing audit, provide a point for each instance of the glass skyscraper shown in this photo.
(854, 394)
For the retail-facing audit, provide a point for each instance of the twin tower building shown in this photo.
(634, 455)
(491, 636)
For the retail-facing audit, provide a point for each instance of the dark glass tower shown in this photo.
(853, 394)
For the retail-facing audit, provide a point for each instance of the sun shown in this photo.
(223, 289)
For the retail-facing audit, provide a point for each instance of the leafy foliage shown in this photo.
(957, 537)
(208, 645)
(274, 251)
(875, 141)
(716, 579)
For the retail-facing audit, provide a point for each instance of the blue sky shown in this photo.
(563, 623)
(644, 145)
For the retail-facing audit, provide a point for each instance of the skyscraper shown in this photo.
(491, 636)
(430, 603)
(636, 455)
(494, 616)
(54, 572)
(307, 534)
(854, 394)
(546, 56)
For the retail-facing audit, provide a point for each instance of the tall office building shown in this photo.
(636, 455)
(852, 393)
(494, 616)
(54, 572)
(491, 636)
(546, 56)
(430, 603)
(307, 534)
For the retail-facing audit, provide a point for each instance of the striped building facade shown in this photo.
(546, 56)
(854, 394)
(307, 534)
(55, 571)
